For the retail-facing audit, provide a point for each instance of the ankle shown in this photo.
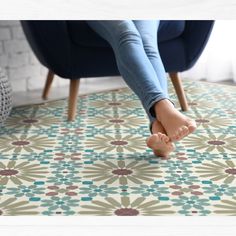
(161, 107)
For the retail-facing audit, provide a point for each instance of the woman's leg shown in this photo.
(137, 71)
(132, 61)
(141, 77)
(148, 31)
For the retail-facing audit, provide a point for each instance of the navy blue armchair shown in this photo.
(72, 50)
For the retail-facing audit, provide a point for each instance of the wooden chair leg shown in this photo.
(74, 88)
(48, 84)
(176, 80)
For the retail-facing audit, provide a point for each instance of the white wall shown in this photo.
(22, 67)
(218, 60)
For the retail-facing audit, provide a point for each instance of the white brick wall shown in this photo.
(1, 47)
(16, 57)
(21, 66)
(5, 34)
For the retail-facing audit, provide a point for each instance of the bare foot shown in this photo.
(159, 142)
(176, 124)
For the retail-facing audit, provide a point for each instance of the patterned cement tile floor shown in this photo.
(99, 164)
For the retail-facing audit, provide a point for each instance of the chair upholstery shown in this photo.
(167, 30)
(71, 49)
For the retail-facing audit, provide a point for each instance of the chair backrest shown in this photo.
(61, 49)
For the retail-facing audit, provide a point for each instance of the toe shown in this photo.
(192, 126)
(179, 134)
(150, 141)
(162, 136)
(166, 138)
(171, 146)
(175, 137)
(185, 130)
(182, 131)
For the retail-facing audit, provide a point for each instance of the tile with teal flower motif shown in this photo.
(220, 190)
(66, 166)
(180, 179)
(28, 191)
(46, 155)
(59, 206)
(154, 190)
(193, 205)
(98, 190)
(176, 166)
(63, 178)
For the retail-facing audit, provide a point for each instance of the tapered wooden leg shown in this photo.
(48, 84)
(74, 88)
(176, 80)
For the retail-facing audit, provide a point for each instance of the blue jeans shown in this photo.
(134, 43)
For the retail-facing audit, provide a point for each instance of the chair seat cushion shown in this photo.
(81, 33)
